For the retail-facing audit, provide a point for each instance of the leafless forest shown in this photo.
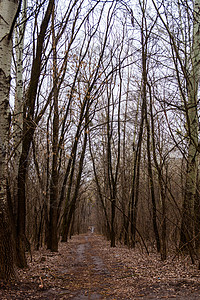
(99, 126)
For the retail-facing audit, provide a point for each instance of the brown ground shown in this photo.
(87, 268)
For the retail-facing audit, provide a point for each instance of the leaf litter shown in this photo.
(87, 268)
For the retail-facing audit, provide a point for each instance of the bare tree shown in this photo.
(29, 126)
(7, 20)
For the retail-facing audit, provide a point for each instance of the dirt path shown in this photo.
(87, 268)
(87, 277)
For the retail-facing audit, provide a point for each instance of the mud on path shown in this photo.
(87, 268)
(86, 276)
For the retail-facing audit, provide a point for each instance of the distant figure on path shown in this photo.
(91, 229)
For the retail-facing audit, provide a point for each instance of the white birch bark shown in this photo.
(193, 99)
(18, 108)
(8, 10)
(17, 119)
(192, 160)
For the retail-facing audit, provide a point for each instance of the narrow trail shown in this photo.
(87, 277)
(87, 268)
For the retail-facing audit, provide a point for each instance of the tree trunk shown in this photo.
(17, 119)
(99, 191)
(18, 108)
(188, 217)
(161, 183)
(136, 181)
(72, 205)
(53, 238)
(8, 10)
(28, 131)
(197, 218)
(144, 40)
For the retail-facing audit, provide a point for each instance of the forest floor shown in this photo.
(87, 268)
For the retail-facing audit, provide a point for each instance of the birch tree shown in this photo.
(8, 10)
(192, 127)
(18, 108)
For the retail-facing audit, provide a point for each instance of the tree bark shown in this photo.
(8, 11)
(53, 238)
(188, 217)
(99, 191)
(28, 131)
(144, 40)
(72, 205)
